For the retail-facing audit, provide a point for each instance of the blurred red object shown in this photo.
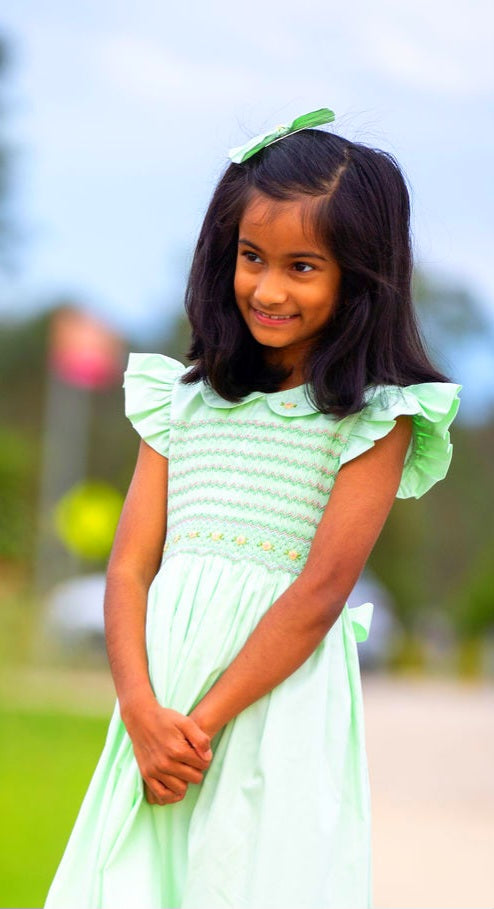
(83, 351)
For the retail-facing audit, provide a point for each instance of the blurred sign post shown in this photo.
(84, 356)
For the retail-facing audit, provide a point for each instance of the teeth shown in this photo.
(274, 317)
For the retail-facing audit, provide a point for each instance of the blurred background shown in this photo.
(114, 127)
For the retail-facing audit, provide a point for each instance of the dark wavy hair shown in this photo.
(359, 207)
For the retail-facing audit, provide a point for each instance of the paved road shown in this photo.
(430, 746)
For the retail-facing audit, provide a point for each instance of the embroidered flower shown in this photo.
(266, 545)
(288, 404)
(193, 533)
(292, 554)
(216, 535)
(240, 540)
(176, 538)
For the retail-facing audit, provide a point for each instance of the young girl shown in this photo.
(234, 772)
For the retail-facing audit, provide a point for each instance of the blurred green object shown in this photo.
(86, 518)
(46, 761)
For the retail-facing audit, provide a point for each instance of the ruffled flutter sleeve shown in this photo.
(148, 383)
(433, 407)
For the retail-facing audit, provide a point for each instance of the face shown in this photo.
(281, 270)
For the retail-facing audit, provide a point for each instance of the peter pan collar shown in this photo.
(291, 403)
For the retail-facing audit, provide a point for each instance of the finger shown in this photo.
(187, 755)
(174, 784)
(157, 793)
(185, 772)
(197, 738)
(149, 794)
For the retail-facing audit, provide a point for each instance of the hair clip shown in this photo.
(315, 118)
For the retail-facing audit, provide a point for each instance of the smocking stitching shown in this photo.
(291, 427)
(259, 506)
(199, 484)
(231, 453)
(265, 474)
(251, 437)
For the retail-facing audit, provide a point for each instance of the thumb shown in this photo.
(198, 739)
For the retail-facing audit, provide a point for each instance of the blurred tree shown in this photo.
(16, 495)
(460, 338)
(449, 313)
(472, 611)
(473, 606)
(9, 234)
(428, 548)
(22, 371)
(177, 342)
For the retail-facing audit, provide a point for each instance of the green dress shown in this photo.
(282, 818)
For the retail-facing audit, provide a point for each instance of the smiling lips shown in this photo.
(266, 319)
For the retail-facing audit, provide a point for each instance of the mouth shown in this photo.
(266, 319)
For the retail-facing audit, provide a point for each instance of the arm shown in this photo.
(295, 624)
(169, 747)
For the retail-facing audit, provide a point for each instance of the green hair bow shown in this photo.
(314, 118)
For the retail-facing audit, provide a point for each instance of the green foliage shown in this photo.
(16, 495)
(472, 610)
(400, 559)
(178, 342)
(429, 548)
(448, 310)
(46, 762)
(22, 371)
(407, 655)
(19, 615)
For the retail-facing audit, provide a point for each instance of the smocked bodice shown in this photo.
(250, 480)
(249, 484)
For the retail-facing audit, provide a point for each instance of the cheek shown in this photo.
(240, 283)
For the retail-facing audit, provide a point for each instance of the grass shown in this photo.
(46, 762)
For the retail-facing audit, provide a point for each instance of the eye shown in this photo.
(304, 265)
(248, 254)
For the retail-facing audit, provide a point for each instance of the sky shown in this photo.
(122, 114)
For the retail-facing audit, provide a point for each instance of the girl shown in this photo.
(234, 772)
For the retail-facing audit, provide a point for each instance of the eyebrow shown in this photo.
(292, 255)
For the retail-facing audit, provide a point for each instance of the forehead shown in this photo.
(294, 217)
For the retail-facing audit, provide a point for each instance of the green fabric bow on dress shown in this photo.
(314, 118)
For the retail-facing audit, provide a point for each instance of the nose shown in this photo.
(270, 289)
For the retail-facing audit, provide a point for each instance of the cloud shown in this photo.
(152, 72)
(438, 48)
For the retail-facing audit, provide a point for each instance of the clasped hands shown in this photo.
(171, 751)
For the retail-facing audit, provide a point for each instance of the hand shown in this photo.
(171, 751)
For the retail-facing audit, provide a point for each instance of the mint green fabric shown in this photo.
(433, 407)
(282, 819)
